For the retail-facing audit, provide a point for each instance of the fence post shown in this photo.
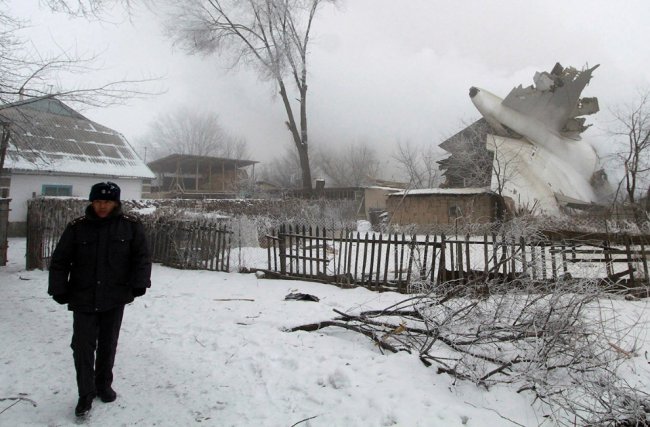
(4, 230)
(282, 247)
(34, 237)
(645, 261)
(378, 273)
(628, 254)
(442, 267)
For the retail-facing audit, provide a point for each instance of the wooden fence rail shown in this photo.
(395, 261)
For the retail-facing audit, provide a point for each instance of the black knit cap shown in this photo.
(105, 191)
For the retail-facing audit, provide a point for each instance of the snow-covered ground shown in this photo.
(210, 348)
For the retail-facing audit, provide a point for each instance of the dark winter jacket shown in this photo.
(100, 263)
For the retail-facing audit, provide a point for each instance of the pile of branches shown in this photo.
(563, 344)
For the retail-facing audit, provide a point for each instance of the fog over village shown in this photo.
(380, 73)
(315, 213)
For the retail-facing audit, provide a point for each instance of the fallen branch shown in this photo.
(320, 325)
(302, 421)
(17, 400)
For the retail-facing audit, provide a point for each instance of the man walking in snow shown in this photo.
(100, 264)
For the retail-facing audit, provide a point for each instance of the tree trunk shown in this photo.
(299, 138)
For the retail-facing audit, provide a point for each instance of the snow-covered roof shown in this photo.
(379, 187)
(450, 191)
(48, 136)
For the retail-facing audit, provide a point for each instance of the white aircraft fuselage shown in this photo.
(568, 164)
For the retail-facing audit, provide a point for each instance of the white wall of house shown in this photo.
(23, 187)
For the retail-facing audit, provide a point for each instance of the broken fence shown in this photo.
(402, 263)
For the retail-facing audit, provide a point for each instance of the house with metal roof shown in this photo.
(53, 150)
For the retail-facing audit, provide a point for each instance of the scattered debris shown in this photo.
(301, 297)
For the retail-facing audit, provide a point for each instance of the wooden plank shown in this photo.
(290, 244)
(495, 255)
(513, 250)
(645, 262)
(443, 259)
(524, 262)
(304, 251)
(348, 270)
(412, 247)
(544, 272)
(379, 248)
(433, 261)
(468, 263)
(423, 268)
(311, 251)
(356, 256)
(282, 250)
(227, 246)
(372, 259)
(629, 261)
(486, 259)
(533, 259)
(459, 260)
(365, 254)
(553, 263)
(504, 254)
(401, 259)
(325, 255)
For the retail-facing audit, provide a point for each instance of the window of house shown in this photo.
(56, 190)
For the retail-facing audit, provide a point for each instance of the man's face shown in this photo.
(103, 208)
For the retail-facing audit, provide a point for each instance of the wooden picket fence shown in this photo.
(397, 261)
(187, 244)
(197, 245)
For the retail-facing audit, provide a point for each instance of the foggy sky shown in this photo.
(381, 71)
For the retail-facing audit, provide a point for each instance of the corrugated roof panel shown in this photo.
(110, 151)
(67, 142)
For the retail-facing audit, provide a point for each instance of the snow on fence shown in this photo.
(406, 263)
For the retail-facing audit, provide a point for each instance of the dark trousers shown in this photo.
(90, 332)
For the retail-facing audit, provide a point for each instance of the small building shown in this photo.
(191, 176)
(444, 206)
(53, 150)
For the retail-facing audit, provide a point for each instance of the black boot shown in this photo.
(84, 404)
(107, 394)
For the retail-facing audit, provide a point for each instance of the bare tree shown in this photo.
(89, 9)
(271, 36)
(283, 171)
(632, 128)
(186, 131)
(419, 164)
(348, 167)
(26, 75)
(505, 163)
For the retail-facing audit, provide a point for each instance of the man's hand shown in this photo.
(138, 292)
(61, 298)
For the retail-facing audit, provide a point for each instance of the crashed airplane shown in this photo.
(539, 157)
